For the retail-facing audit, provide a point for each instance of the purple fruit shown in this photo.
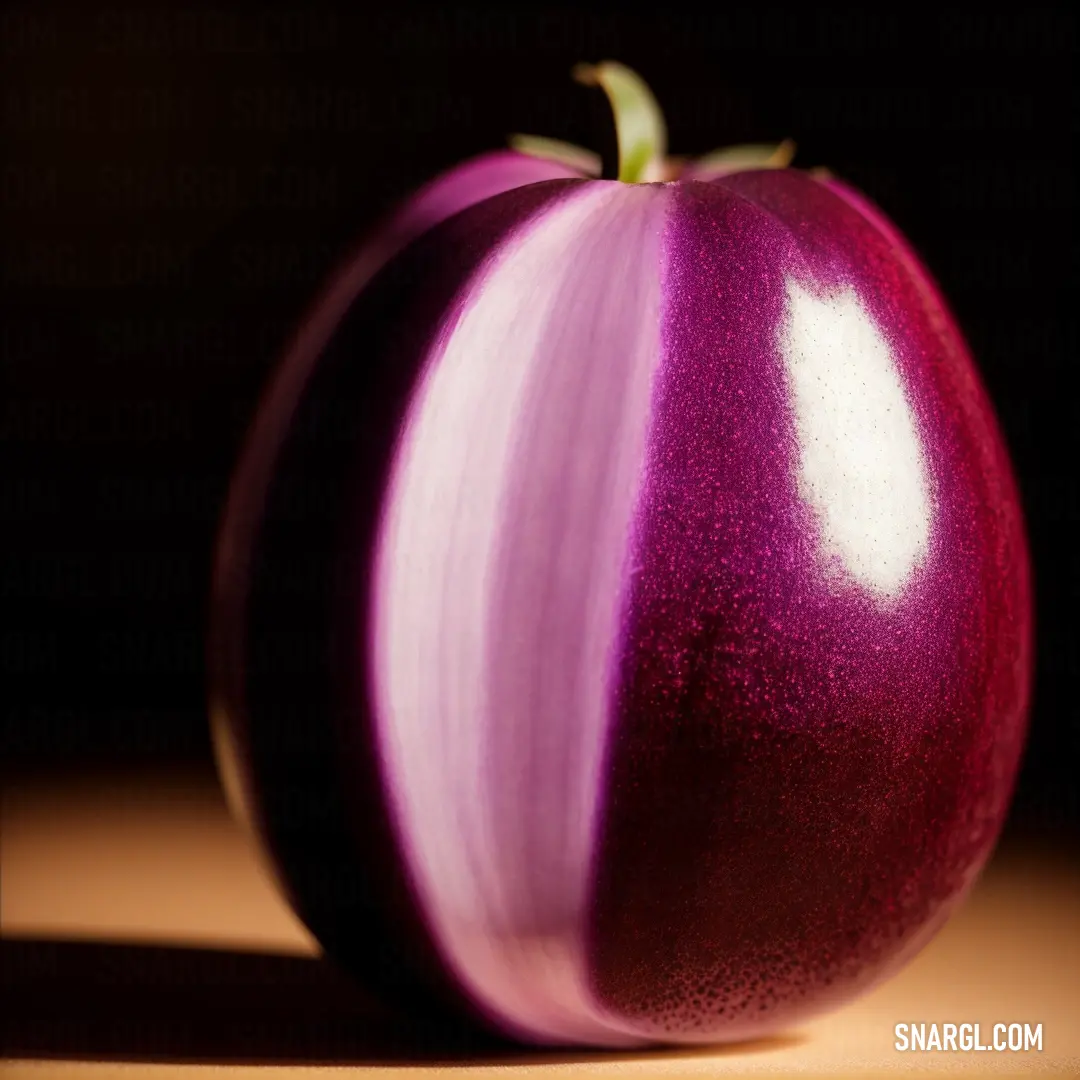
(650, 660)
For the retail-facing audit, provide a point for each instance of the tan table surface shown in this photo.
(140, 930)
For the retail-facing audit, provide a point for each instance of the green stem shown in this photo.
(642, 137)
(639, 123)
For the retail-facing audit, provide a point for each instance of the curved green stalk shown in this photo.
(639, 123)
(642, 137)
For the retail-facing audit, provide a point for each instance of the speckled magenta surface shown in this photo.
(672, 631)
(826, 652)
(701, 626)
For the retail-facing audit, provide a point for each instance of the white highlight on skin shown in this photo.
(497, 598)
(861, 465)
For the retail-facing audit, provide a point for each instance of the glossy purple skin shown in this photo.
(803, 781)
(807, 760)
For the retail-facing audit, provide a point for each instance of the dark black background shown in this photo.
(178, 180)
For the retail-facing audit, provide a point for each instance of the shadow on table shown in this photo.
(150, 1003)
